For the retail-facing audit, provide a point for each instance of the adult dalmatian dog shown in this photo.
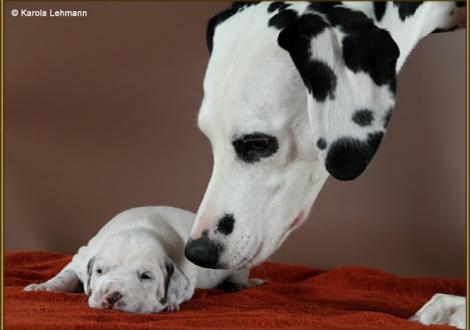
(136, 263)
(294, 92)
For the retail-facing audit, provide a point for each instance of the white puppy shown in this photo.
(136, 263)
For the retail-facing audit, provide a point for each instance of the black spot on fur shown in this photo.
(283, 19)
(170, 269)
(372, 50)
(387, 117)
(212, 24)
(407, 9)
(323, 6)
(317, 76)
(203, 251)
(338, 15)
(223, 16)
(321, 143)
(277, 5)
(89, 271)
(225, 224)
(251, 148)
(366, 47)
(379, 10)
(461, 3)
(301, 33)
(363, 117)
(243, 4)
(347, 158)
(322, 82)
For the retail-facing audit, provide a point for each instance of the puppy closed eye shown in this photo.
(146, 276)
(252, 147)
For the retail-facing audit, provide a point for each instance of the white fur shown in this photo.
(251, 85)
(443, 309)
(139, 240)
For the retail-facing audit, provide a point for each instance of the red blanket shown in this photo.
(294, 297)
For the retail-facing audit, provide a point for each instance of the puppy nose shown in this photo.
(112, 298)
(203, 252)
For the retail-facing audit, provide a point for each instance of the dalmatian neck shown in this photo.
(408, 23)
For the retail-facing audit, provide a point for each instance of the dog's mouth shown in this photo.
(254, 259)
(250, 261)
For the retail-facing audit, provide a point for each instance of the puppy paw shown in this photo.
(442, 309)
(39, 287)
(254, 282)
(173, 307)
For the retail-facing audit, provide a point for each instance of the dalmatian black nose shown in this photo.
(112, 298)
(203, 252)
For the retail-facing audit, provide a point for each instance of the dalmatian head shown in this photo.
(292, 93)
(132, 273)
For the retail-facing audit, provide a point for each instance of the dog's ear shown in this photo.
(177, 284)
(89, 274)
(348, 65)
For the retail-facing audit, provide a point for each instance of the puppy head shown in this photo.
(292, 93)
(132, 273)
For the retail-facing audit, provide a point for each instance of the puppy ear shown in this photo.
(348, 65)
(177, 284)
(89, 274)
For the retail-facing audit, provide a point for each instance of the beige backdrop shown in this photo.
(100, 116)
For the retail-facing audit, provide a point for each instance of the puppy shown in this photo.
(136, 264)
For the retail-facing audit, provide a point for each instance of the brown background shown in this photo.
(100, 116)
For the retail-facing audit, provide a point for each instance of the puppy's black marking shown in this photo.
(277, 5)
(251, 148)
(347, 158)
(379, 10)
(170, 269)
(407, 9)
(321, 144)
(363, 117)
(283, 19)
(226, 224)
(89, 270)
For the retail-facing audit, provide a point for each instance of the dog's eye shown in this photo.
(145, 276)
(99, 271)
(252, 147)
(257, 144)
